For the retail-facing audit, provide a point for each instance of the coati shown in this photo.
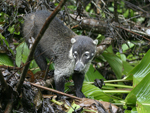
(72, 53)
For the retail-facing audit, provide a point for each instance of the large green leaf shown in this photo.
(5, 60)
(92, 91)
(143, 107)
(115, 63)
(140, 71)
(92, 74)
(140, 95)
(22, 53)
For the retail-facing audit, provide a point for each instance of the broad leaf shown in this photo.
(5, 60)
(141, 70)
(115, 63)
(92, 74)
(22, 53)
(92, 91)
(140, 95)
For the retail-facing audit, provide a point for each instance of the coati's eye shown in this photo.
(87, 54)
(75, 54)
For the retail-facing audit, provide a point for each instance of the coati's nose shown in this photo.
(79, 67)
(76, 70)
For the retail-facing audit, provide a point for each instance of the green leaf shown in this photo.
(11, 29)
(22, 53)
(140, 71)
(142, 107)
(126, 14)
(134, 110)
(115, 63)
(111, 9)
(92, 74)
(140, 95)
(2, 38)
(34, 65)
(88, 7)
(127, 67)
(73, 107)
(5, 60)
(126, 47)
(92, 91)
(67, 85)
(127, 111)
(121, 56)
(110, 49)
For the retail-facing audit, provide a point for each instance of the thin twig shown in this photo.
(10, 67)
(55, 91)
(134, 33)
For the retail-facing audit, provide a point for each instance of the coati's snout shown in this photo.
(79, 66)
(83, 51)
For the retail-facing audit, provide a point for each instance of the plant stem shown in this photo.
(116, 91)
(119, 80)
(118, 85)
(109, 81)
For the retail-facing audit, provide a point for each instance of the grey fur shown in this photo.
(56, 44)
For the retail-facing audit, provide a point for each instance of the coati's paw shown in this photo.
(80, 94)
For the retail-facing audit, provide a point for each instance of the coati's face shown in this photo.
(83, 51)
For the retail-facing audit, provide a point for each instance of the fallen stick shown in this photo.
(55, 91)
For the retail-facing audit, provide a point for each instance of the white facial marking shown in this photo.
(79, 61)
(87, 52)
(70, 54)
(75, 54)
(87, 57)
(92, 54)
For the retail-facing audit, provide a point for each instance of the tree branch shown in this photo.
(115, 11)
(98, 26)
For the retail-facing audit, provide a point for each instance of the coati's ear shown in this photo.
(95, 41)
(73, 40)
